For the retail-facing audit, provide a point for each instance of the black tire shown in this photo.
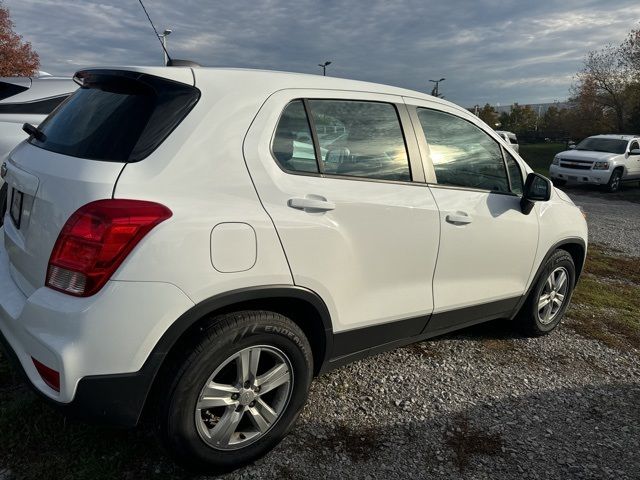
(559, 183)
(529, 319)
(3, 202)
(229, 334)
(615, 181)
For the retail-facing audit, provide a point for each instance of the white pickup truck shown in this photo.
(607, 160)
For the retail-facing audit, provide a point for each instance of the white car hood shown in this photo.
(586, 155)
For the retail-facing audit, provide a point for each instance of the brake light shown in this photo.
(48, 375)
(96, 239)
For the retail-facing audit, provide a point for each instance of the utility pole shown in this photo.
(324, 67)
(435, 91)
(163, 37)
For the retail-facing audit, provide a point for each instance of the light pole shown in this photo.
(163, 36)
(324, 68)
(434, 92)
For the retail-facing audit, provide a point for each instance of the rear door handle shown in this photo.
(311, 203)
(459, 218)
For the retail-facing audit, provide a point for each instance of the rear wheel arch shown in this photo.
(304, 307)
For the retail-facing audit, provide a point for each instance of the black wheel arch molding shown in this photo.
(569, 244)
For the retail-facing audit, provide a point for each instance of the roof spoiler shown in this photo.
(174, 62)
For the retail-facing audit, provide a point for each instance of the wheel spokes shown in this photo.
(544, 300)
(262, 415)
(217, 395)
(226, 427)
(277, 376)
(560, 280)
(247, 365)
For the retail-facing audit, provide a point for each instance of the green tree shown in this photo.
(488, 115)
(522, 118)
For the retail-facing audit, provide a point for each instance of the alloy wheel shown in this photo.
(244, 397)
(553, 295)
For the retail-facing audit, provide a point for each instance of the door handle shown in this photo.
(311, 203)
(459, 218)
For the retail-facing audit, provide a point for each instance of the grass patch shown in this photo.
(540, 155)
(467, 441)
(606, 304)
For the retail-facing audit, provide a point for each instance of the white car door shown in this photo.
(358, 224)
(487, 245)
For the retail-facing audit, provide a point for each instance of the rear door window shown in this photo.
(360, 139)
(293, 145)
(116, 116)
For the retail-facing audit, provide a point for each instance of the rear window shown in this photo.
(116, 116)
(9, 90)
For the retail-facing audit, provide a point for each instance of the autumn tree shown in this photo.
(17, 58)
(610, 80)
(630, 53)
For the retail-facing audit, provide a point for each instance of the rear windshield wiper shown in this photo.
(34, 132)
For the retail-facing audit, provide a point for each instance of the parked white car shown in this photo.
(205, 241)
(26, 100)
(510, 138)
(607, 160)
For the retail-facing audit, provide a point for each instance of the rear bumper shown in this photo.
(101, 345)
(111, 399)
(591, 177)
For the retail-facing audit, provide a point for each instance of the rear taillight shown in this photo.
(96, 239)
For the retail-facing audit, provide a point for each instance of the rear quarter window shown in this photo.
(116, 116)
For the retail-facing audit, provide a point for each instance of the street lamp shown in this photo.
(163, 36)
(434, 92)
(324, 67)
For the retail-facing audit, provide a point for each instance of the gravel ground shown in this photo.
(612, 218)
(481, 404)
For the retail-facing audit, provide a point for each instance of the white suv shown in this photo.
(26, 99)
(205, 241)
(607, 160)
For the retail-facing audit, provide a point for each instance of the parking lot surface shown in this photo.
(614, 219)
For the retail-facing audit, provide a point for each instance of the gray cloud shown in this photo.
(489, 50)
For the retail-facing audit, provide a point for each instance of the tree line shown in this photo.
(604, 98)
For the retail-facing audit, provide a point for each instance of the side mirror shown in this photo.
(572, 147)
(537, 188)
(635, 151)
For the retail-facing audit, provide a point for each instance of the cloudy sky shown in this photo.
(496, 51)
